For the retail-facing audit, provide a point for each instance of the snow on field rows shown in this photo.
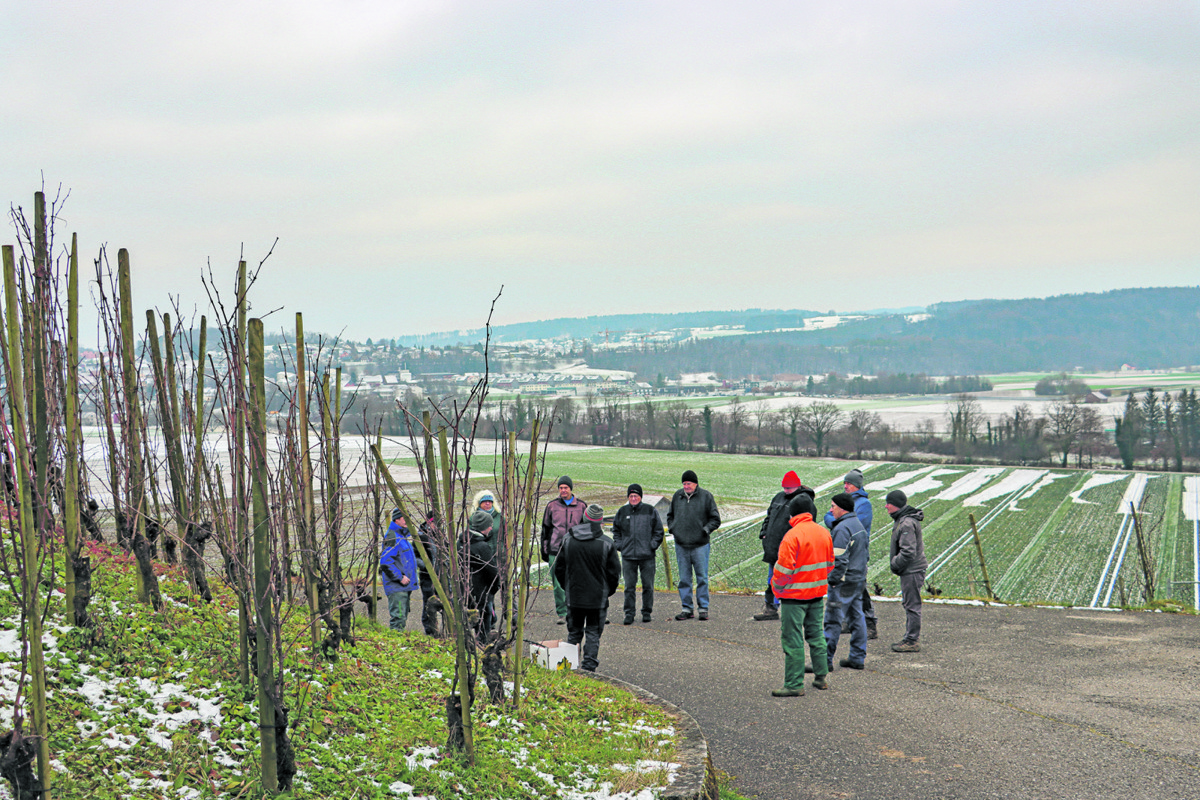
(970, 483)
(1017, 479)
(1092, 482)
(1191, 499)
(928, 483)
(897, 479)
(1133, 493)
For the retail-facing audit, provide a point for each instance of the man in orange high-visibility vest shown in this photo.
(800, 581)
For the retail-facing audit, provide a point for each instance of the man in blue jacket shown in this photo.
(843, 606)
(637, 534)
(853, 485)
(398, 565)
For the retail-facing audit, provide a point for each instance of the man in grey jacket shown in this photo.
(637, 534)
(908, 561)
(692, 519)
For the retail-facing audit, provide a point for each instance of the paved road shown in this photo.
(1000, 703)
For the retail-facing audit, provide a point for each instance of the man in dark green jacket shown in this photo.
(692, 519)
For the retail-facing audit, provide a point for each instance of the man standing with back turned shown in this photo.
(800, 582)
(692, 519)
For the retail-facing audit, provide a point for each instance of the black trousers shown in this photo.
(586, 625)
(630, 570)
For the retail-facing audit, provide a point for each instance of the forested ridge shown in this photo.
(1147, 328)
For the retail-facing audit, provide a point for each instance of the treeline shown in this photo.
(1157, 431)
(899, 383)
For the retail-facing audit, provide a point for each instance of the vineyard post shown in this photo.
(263, 587)
(987, 584)
(1145, 557)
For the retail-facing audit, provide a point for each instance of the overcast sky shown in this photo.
(611, 157)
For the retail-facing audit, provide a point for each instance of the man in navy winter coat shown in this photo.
(843, 605)
(637, 534)
(853, 485)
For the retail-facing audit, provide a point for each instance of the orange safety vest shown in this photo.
(805, 561)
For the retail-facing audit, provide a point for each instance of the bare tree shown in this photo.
(681, 421)
(818, 420)
(1065, 424)
(965, 415)
(863, 424)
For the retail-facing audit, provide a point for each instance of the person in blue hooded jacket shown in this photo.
(398, 565)
(843, 605)
(853, 484)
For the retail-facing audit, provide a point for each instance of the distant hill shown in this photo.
(754, 319)
(1148, 328)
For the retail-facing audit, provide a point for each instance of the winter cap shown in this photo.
(854, 478)
(479, 521)
(690, 475)
(634, 488)
(594, 513)
(844, 501)
(565, 480)
(801, 504)
(487, 496)
(897, 498)
(791, 480)
(397, 513)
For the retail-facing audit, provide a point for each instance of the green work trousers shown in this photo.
(560, 594)
(802, 621)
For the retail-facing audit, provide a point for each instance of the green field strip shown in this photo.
(1006, 583)
(1167, 561)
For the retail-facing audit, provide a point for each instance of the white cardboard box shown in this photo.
(550, 654)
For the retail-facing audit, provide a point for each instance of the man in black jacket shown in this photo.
(637, 534)
(588, 569)
(692, 519)
(775, 526)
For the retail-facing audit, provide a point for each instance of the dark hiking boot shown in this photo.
(819, 682)
(645, 616)
(787, 693)
(628, 619)
(871, 632)
(845, 662)
(768, 613)
(682, 615)
(906, 647)
(704, 616)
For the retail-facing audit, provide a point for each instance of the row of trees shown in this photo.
(1157, 429)
(271, 493)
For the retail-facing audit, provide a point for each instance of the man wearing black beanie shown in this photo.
(637, 534)
(692, 519)
(908, 561)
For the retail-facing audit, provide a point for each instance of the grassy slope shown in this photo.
(152, 709)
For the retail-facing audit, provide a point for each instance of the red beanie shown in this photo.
(792, 480)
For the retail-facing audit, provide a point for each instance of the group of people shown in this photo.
(816, 576)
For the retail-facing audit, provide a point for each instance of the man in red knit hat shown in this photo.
(773, 528)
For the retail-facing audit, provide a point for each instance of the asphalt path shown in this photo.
(1001, 702)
